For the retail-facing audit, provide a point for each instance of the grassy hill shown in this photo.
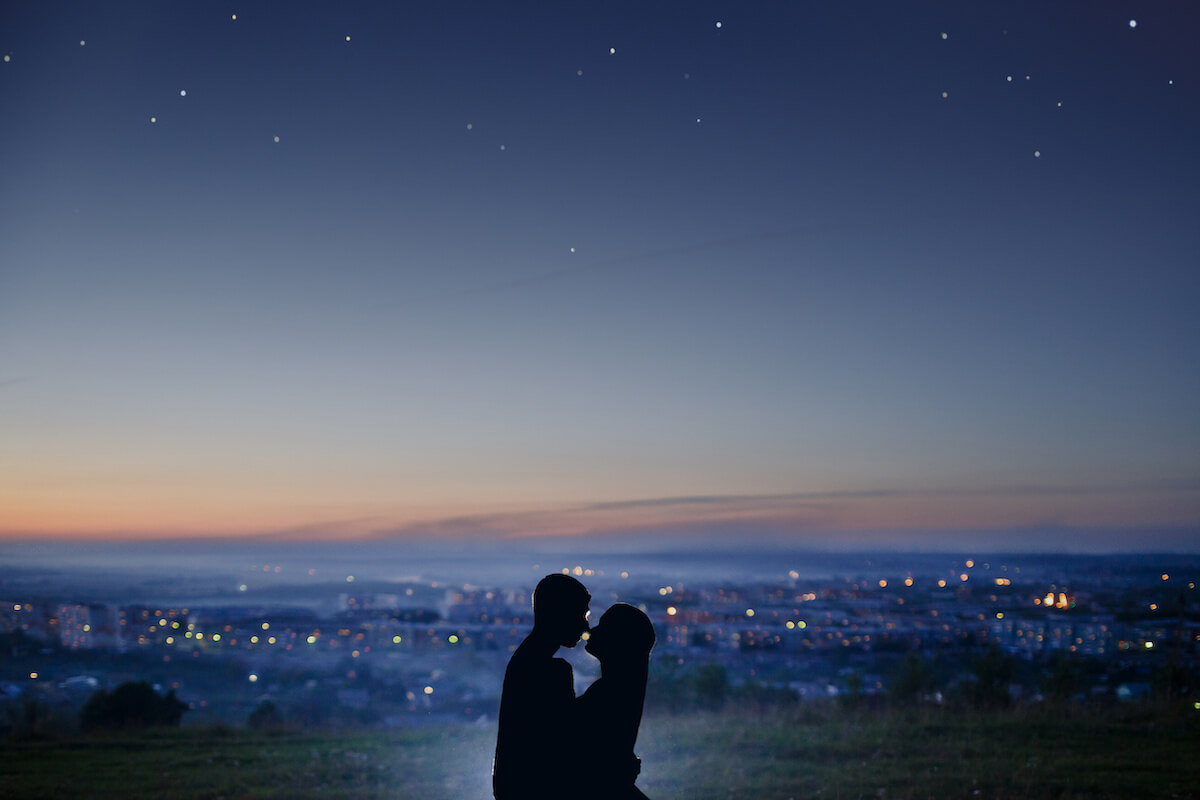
(810, 751)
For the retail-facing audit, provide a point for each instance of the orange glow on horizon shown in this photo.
(99, 512)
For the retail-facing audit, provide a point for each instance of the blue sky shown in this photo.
(817, 271)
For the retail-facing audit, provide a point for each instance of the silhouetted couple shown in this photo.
(552, 745)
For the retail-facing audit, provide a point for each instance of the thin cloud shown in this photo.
(776, 512)
(739, 499)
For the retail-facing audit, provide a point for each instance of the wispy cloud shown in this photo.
(738, 499)
(861, 511)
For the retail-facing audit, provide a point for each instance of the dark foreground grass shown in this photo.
(940, 755)
(821, 752)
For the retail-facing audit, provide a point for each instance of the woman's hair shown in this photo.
(631, 635)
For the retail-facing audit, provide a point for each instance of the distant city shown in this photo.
(417, 636)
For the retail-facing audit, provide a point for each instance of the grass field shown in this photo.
(823, 752)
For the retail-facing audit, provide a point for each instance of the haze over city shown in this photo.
(885, 277)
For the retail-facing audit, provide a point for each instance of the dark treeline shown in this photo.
(986, 679)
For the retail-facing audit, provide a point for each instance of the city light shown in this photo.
(735, 623)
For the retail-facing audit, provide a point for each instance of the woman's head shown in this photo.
(624, 634)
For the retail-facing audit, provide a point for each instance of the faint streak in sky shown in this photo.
(780, 509)
(498, 287)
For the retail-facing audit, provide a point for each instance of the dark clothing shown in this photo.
(609, 713)
(537, 752)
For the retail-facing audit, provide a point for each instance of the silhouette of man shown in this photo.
(537, 752)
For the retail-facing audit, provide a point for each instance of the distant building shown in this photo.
(89, 626)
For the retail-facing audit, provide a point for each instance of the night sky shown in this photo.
(875, 273)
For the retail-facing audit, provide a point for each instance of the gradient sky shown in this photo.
(810, 270)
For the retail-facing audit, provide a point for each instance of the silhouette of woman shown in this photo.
(610, 711)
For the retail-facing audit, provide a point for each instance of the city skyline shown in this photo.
(880, 277)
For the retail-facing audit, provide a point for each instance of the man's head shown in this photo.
(560, 609)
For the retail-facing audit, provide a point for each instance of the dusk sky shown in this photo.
(833, 273)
